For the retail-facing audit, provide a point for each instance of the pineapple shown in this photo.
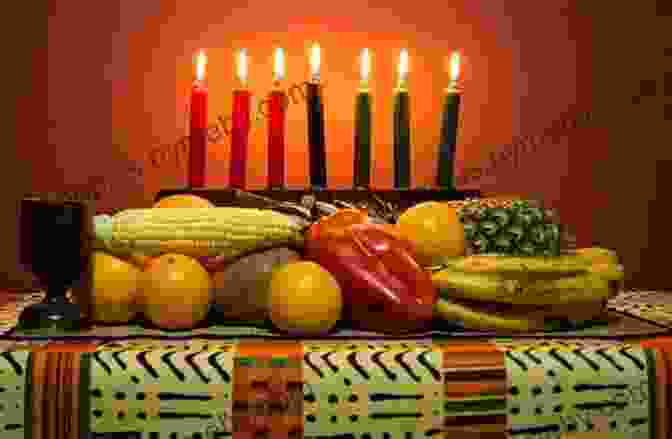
(511, 227)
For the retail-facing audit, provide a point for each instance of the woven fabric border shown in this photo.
(154, 390)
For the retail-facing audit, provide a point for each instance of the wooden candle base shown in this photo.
(403, 198)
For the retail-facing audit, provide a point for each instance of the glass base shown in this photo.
(51, 314)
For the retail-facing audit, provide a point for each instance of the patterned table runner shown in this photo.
(151, 389)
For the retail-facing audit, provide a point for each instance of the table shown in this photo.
(457, 387)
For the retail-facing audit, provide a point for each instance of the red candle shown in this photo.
(276, 127)
(240, 126)
(198, 126)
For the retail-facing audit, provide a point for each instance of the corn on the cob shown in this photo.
(215, 231)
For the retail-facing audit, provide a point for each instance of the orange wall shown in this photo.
(144, 70)
(159, 71)
(115, 75)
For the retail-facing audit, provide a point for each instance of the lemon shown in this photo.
(176, 292)
(115, 289)
(435, 231)
(304, 299)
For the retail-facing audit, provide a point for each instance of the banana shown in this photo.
(473, 319)
(565, 291)
(608, 271)
(515, 321)
(603, 262)
(474, 286)
(597, 255)
(558, 266)
(594, 260)
(575, 262)
(494, 287)
(573, 286)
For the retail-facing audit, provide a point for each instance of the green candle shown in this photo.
(362, 166)
(451, 112)
(402, 129)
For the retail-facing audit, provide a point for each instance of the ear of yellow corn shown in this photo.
(197, 232)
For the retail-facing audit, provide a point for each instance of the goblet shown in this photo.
(54, 244)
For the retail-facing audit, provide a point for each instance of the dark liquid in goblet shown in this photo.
(54, 245)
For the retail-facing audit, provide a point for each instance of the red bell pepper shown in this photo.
(384, 289)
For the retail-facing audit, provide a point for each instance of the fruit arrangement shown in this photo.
(490, 264)
(527, 294)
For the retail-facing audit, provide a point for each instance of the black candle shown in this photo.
(317, 150)
(362, 165)
(363, 140)
(402, 128)
(402, 141)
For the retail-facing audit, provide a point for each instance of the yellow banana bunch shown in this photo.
(498, 288)
(529, 289)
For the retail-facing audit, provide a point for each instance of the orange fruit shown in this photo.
(182, 200)
(304, 298)
(115, 289)
(435, 230)
(176, 292)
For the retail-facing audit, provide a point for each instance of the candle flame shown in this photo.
(454, 66)
(315, 61)
(201, 62)
(366, 65)
(403, 67)
(279, 64)
(242, 66)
